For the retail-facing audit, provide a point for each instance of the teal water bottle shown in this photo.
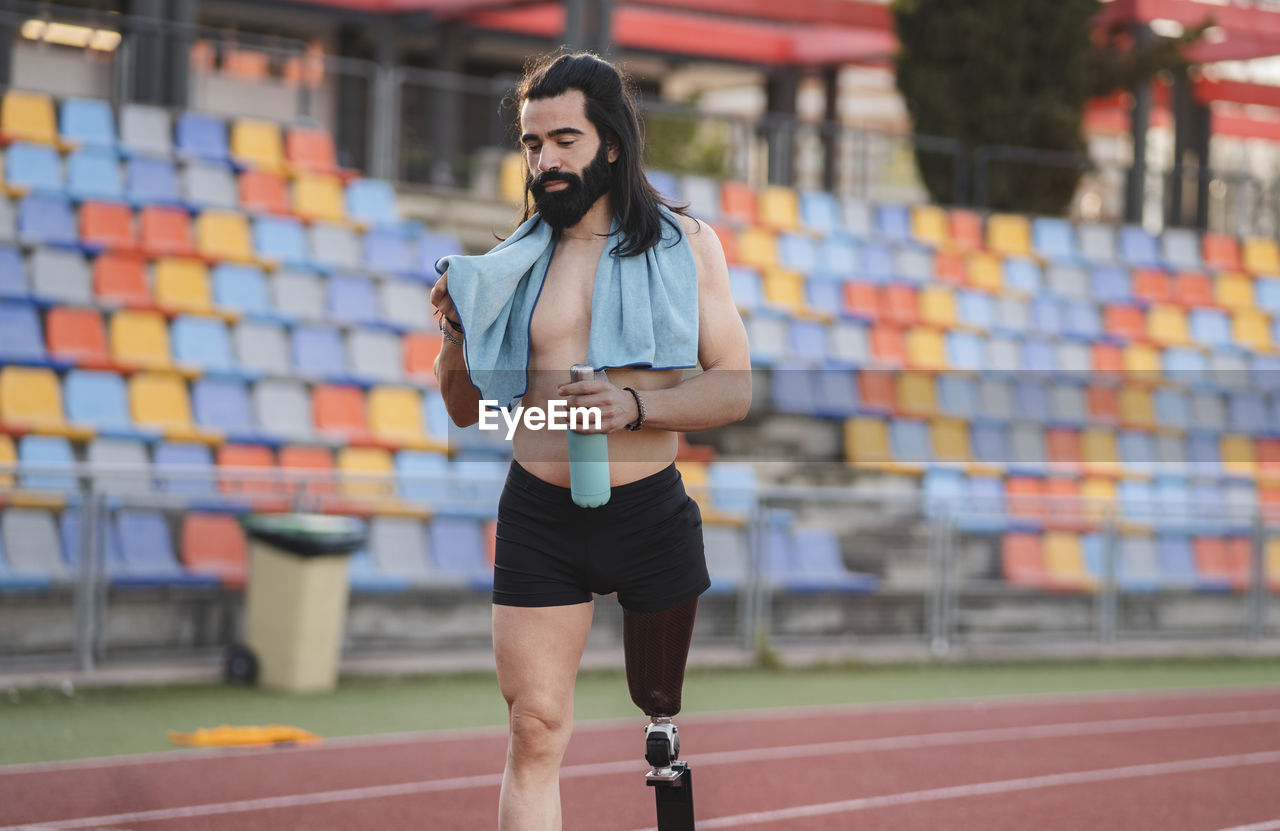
(588, 457)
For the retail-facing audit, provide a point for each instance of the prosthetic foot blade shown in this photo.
(673, 795)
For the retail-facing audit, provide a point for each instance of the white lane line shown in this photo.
(960, 706)
(728, 757)
(989, 788)
(1271, 825)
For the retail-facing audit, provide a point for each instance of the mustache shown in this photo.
(544, 179)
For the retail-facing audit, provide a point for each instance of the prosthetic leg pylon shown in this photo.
(671, 780)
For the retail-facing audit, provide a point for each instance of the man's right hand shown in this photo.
(441, 300)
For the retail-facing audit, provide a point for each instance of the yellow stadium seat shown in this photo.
(183, 285)
(695, 477)
(951, 440)
(938, 306)
(8, 458)
(1260, 255)
(318, 196)
(1251, 328)
(784, 289)
(758, 247)
(28, 116)
(1098, 447)
(779, 208)
(1141, 358)
(1238, 456)
(1064, 558)
(1167, 325)
(1137, 407)
(140, 338)
(511, 178)
(986, 272)
(1232, 290)
(1099, 497)
(929, 225)
(1009, 234)
(31, 398)
(366, 460)
(916, 393)
(257, 143)
(224, 235)
(866, 441)
(159, 401)
(1273, 560)
(926, 348)
(395, 417)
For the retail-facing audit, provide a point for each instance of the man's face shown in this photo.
(568, 163)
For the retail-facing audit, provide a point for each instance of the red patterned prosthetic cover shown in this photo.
(657, 647)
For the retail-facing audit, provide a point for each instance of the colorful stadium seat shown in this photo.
(35, 167)
(214, 544)
(202, 137)
(28, 116)
(30, 398)
(223, 235)
(94, 174)
(263, 191)
(319, 197)
(257, 143)
(146, 130)
(206, 185)
(107, 226)
(60, 275)
(372, 202)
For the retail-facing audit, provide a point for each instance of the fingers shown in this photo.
(617, 407)
(441, 300)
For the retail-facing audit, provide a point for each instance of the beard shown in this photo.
(566, 208)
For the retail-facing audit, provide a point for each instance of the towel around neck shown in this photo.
(644, 309)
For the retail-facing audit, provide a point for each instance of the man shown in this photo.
(615, 253)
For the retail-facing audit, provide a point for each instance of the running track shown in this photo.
(1173, 761)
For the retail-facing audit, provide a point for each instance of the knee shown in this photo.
(539, 730)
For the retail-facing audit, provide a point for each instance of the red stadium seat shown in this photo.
(420, 351)
(311, 148)
(966, 230)
(1191, 288)
(264, 192)
(215, 544)
(888, 344)
(877, 391)
(1221, 252)
(1152, 286)
(166, 232)
(1022, 560)
(340, 411)
(107, 226)
(861, 300)
(77, 335)
(899, 304)
(1127, 322)
(1103, 404)
(738, 203)
(297, 458)
(1064, 449)
(120, 279)
(256, 456)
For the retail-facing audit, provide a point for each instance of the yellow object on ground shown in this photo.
(227, 735)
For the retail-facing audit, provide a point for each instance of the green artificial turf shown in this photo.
(49, 724)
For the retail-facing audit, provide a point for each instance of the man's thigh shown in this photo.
(537, 650)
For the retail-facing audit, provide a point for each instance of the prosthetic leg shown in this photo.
(657, 649)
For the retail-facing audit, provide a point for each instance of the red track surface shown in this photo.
(1179, 761)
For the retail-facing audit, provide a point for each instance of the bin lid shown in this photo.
(307, 535)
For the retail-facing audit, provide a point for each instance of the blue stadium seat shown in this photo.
(242, 288)
(1081, 320)
(1137, 451)
(944, 491)
(1172, 408)
(432, 246)
(435, 416)
(857, 217)
(792, 390)
(825, 296)
(746, 287)
(1204, 454)
(151, 181)
(1211, 327)
(146, 546)
(893, 222)
(352, 299)
(88, 122)
(280, 239)
(1027, 448)
(36, 167)
(809, 340)
(1022, 275)
(1138, 567)
(423, 476)
(835, 392)
(1247, 413)
(47, 219)
(222, 404)
(768, 338)
(1046, 315)
(1177, 562)
(372, 202)
(1180, 249)
(1053, 239)
(1138, 247)
(458, 551)
(666, 184)
(995, 397)
(1136, 501)
(877, 263)
(957, 396)
(202, 137)
(909, 441)
(94, 174)
(1264, 374)
(1208, 508)
(46, 450)
(1185, 365)
(913, 264)
(1067, 403)
(1110, 284)
(388, 251)
(819, 211)
(1031, 400)
(975, 309)
(839, 257)
(100, 399)
(1097, 243)
(202, 342)
(318, 352)
(179, 468)
(1266, 294)
(13, 274)
(1173, 503)
(964, 350)
(817, 565)
(21, 340)
(1038, 355)
(10, 581)
(989, 443)
(797, 252)
(703, 195)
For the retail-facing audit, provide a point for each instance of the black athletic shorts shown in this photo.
(645, 543)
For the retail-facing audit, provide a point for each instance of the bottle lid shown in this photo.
(582, 372)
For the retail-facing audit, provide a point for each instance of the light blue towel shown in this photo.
(644, 309)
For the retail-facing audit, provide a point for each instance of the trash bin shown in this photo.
(296, 597)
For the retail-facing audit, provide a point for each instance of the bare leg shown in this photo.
(537, 652)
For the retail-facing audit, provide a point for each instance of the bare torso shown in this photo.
(559, 337)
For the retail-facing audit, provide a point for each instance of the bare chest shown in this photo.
(561, 325)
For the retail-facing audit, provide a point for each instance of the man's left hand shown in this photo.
(617, 406)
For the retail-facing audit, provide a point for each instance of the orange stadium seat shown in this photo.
(318, 196)
(311, 148)
(77, 335)
(1103, 404)
(215, 544)
(262, 191)
(166, 232)
(107, 225)
(1024, 497)
(1106, 357)
(340, 411)
(950, 268)
(1192, 288)
(861, 299)
(257, 458)
(888, 344)
(1267, 450)
(965, 229)
(1151, 285)
(738, 203)
(1062, 494)
(1063, 445)
(121, 279)
(1220, 251)
(1126, 322)
(420, 351)
(1022, 560)
(257, 143)
(28, 116)
(1222, 559)
(302, 458)
(899, 304)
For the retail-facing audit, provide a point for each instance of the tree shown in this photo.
(1015, 74)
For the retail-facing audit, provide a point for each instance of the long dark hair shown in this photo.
(611, 107)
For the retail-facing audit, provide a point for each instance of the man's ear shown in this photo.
(614, 152)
